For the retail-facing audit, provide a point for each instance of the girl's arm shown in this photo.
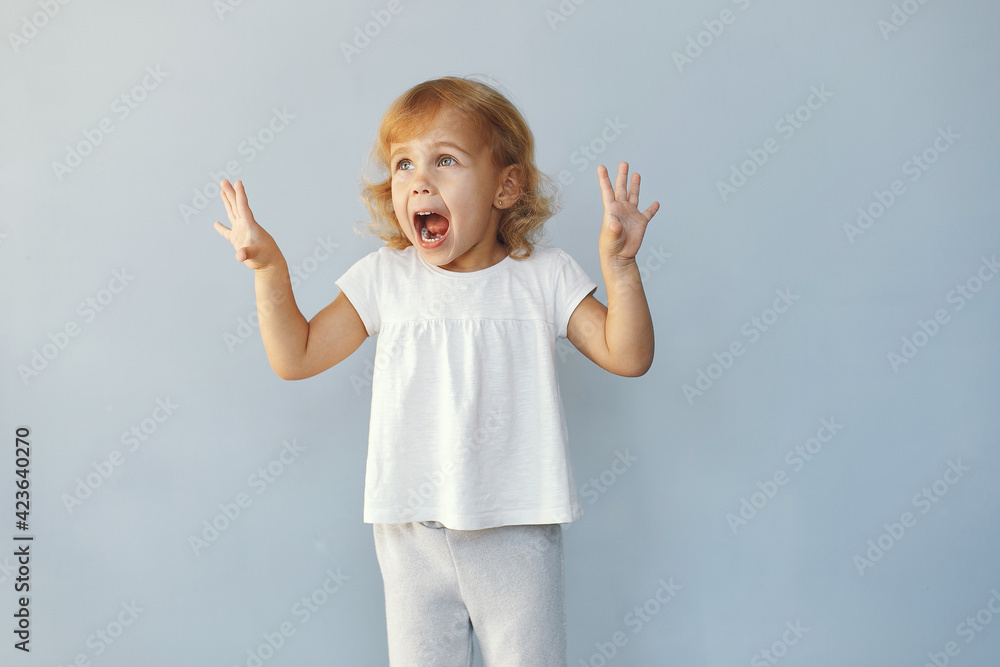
(295, 347)
(619, 337)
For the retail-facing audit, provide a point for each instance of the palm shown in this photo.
(624, 224)
(248, 238)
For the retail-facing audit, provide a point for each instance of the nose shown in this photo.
(421, 182)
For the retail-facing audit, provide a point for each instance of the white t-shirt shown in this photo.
(467, 425)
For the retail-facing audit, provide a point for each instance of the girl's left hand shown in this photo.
(624, 224)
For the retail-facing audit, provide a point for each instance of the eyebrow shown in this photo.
(439, 144)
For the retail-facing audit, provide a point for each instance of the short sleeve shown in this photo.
(572, 285)
(360, 284)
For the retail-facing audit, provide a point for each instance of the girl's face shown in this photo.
(446, 192)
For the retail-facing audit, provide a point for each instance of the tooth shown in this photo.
(426, 235)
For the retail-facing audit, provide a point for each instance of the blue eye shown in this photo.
(404, 164)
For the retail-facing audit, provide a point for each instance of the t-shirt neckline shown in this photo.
(462, 275)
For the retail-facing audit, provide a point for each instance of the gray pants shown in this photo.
(505, 583)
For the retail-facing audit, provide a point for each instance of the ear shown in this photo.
(511, 186)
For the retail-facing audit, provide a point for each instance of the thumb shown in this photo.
(245, 253)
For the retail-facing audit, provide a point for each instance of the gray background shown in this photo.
(168, 333)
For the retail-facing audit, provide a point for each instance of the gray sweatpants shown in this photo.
(505, 584)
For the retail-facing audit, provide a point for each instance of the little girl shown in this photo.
(468, 477)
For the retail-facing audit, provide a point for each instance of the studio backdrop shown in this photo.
(808, 474)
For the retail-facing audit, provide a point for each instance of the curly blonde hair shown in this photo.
(504, 130)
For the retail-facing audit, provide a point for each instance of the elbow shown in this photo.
(300, 371)
(287, 372)
(288, 366)
(284, 374)
(632, 361)
(640, 365)
(634, 368)
(633, 372)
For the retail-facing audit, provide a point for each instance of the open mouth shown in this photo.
(432, 228)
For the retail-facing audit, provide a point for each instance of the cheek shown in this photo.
(404, 226)
(399, 207)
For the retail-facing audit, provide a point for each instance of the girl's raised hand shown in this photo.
(624, 224)
(254, 246)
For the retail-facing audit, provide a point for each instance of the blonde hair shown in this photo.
(503, 128)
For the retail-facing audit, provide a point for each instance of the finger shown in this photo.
(222, 229)
(242, 205)
(633, 190)
(226, 190)
(607, 193)
(243, 254)
(651, 211)
(622, 181)
(249, 252)
(230, 213)
(229, 199)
